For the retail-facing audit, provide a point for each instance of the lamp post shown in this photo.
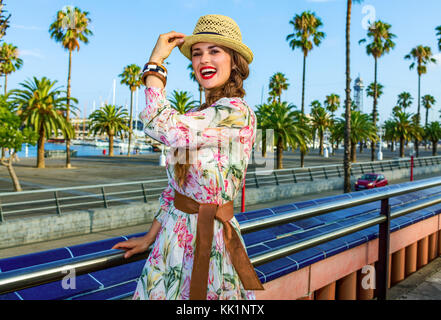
(380, 154)
(326, 151)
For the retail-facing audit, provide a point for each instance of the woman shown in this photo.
(198, 252)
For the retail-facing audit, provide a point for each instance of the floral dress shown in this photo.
(219, 140)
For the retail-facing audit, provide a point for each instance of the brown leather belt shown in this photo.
(204, 237)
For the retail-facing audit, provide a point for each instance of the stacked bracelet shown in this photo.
(154, 69)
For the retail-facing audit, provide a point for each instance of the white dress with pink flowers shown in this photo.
(219, 139)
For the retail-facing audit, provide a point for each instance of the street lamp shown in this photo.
(380, 154)
(326, 151)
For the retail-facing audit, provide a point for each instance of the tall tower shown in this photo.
(358, 93)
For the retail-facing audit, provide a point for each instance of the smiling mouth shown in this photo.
(208, 72)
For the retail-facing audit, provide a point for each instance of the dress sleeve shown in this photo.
(165, 199)
(195, 129)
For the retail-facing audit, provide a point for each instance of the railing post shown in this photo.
(144, 193)
(338, 170)
(324, 171)
(381, 165)
(57, 203)
(382, 276)
(310, 174)
(391, 166)
(294, 176)
(275, 177)
(361, 166)
(104, 197)
(255, 179)
(372, 167)
(1, 212)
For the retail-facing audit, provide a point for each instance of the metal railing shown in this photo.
(60, 200)
(33, 276)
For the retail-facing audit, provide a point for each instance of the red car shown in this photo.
(370, 180)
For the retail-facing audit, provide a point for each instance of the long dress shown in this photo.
(219, 139)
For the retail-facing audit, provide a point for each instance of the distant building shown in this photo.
(358, 93)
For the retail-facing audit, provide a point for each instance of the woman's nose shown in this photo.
(205, 57)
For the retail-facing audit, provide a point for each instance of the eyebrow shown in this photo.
(210, 47)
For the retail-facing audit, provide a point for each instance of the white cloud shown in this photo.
(31, 53)
(28, 28)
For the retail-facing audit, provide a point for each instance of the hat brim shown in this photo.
(217, 39)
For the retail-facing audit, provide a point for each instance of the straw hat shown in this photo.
(220, 30)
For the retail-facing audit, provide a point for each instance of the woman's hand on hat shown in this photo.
(165, 45)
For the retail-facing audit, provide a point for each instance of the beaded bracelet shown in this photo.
(154, 73)
(153, 66)
(154, 69)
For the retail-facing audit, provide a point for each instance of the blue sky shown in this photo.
(125, 33)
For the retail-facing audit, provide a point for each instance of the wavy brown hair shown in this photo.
(231, 89)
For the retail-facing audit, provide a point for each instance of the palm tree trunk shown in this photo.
(110, 145)
(419, 92)
(347, 135)
(279, 154)
(12, 174)
(321, 143)
(374, 109)
(200, 94)
(130, 125)
(401, 147)
(434, 147)
(6, 83)
(68, 165)
(40, 148)
(353, 151)
(302, 153)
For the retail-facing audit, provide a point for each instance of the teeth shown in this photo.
(208, 71)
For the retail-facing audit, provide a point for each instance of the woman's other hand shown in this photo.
(165, 44)
(134, 245)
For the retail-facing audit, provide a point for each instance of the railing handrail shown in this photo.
(32, 276)
(109, 185)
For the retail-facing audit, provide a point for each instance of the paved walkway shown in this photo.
(425, 284)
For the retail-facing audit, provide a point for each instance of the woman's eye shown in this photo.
(196, 54)
(214, 51)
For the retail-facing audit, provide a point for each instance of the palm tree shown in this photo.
(320, 121)
(428, 101)
(417, 130)
(131, 77)
(422, 56)
(288, 130)
(9, 61)
(278, 83)
(432, 132)
(362, 128)
(69, 28)
(381, 44)
(389, 131)
(401, 127)
(42, 106)
(404, 100)
(4, 20)
(332, 103)
(193, 77)
(348, 104)
(181, 102)
(305, 36)
(438, 33)
(374, 92)
(110, 120)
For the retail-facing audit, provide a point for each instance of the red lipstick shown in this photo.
(207, 72)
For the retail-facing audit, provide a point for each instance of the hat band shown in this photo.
(209, 33)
